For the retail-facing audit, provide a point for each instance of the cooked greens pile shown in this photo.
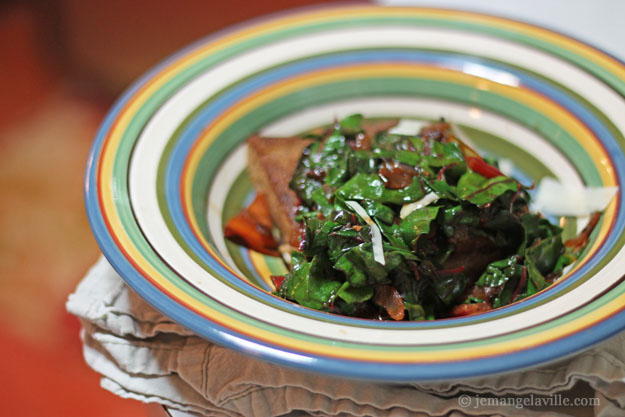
(454, 235)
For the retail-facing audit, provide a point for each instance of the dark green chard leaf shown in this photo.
(371, 187)
(335, 144)
(443, 154)
(305, 188)
(417, 223)
(564, 260)
(536, 226)
(383, 153)
(321, 267)
(410, 286)
(304, 215)
(444, 254)
(334, 160)
(506, 295)
(535, 280)
(317, 236)
(323, 205)
(297, 259)
(405, 157)
(507, 230)
(322, 163)
(408, 158)
(394, 142)
(449, 287)
(352, 295)
(308, 285)
(449, 218)
(342, 216)
(415, 311)
(332, 237)
(411, 193)
(379, 211)
(478, 190)
(344, 239)
(499, 272)
(313, 136)
(362, 161)
(345, 232)
(362, 187)
(442, 189)
(351, 124)
(337, 174)
(392, 233)
(545, 253)
(392, 252)
(360, 268)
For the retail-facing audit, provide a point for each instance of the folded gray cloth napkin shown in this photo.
(142, 354)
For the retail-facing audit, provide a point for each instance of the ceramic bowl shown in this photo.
(168, 168)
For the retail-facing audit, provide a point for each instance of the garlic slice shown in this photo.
(376, 235)
(406, 209)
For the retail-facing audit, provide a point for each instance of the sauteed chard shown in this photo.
(415, 227)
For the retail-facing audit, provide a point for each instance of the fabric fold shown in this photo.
(143, 355)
